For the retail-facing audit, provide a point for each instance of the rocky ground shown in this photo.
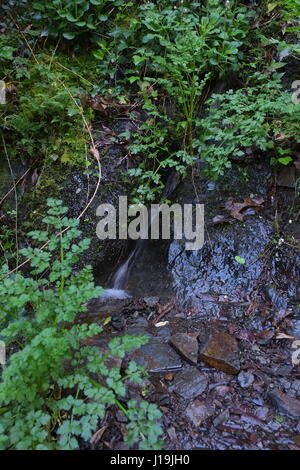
(223, 357)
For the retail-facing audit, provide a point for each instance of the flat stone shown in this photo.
(186, 344)
(157, 357)
(285, 404)
(221, 352)
(197, 412)
(284, 371)
(245, 379)
(189, 383)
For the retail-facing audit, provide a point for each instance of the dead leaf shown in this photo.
(169, 376)
(284, 336)
(222, 219)
(98, 435)
(95, 153)
(236, 208)
(264, 335)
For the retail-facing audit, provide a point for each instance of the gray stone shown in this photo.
(151, 301)
(189, 383)
(197, 412)
(245, 379)
(157, 357)
(186, 344)
(285, 404)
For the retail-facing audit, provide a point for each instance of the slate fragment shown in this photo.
(221, 351)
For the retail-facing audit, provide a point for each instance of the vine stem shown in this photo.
(14, 186)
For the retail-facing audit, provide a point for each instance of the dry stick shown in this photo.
(14, 186)
(93, 151)
(16, 195)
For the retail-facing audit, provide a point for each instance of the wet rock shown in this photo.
(295, 329)
(285, 404)
(221, 351)
(296, 386)
(139, 327)
(279, 301)
(221, 418)
(186, 344)
(202, 279)
(189, 383)
(197, 412)
(286, 177)
(245, 379)
(157, 357)
(151, 301)
(285, 384)
(101, 254)
(283, 371)
(285, 267)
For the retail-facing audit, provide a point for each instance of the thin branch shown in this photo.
(16, 197)
(14, 186)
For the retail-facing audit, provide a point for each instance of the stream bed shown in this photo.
(221, 351)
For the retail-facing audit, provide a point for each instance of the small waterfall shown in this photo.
(120, 277)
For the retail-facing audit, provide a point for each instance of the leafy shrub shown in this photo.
(180, 51)
(55, 389)
(72, 19)
(262, 116)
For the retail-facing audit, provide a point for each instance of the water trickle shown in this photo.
(118, 294)
(121, 276)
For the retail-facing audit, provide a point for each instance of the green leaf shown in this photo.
(284, 160)
(69, 36)
(240, 260)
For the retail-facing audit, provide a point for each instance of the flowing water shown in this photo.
(121, 277)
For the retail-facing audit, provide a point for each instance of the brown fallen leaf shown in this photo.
(95, 153)
(222, 219)
(169, 376)
(98, 435)
(265, 335)
(236, 208)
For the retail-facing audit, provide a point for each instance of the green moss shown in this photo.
(34, 203)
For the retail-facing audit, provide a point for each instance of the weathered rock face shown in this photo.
(102, 254)
(211, 281)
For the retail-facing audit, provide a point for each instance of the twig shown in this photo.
(14, 186)
(16, 196)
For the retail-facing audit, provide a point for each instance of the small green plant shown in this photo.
(48, 121)
(181, 50)
(55, 388)
(260, 115)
